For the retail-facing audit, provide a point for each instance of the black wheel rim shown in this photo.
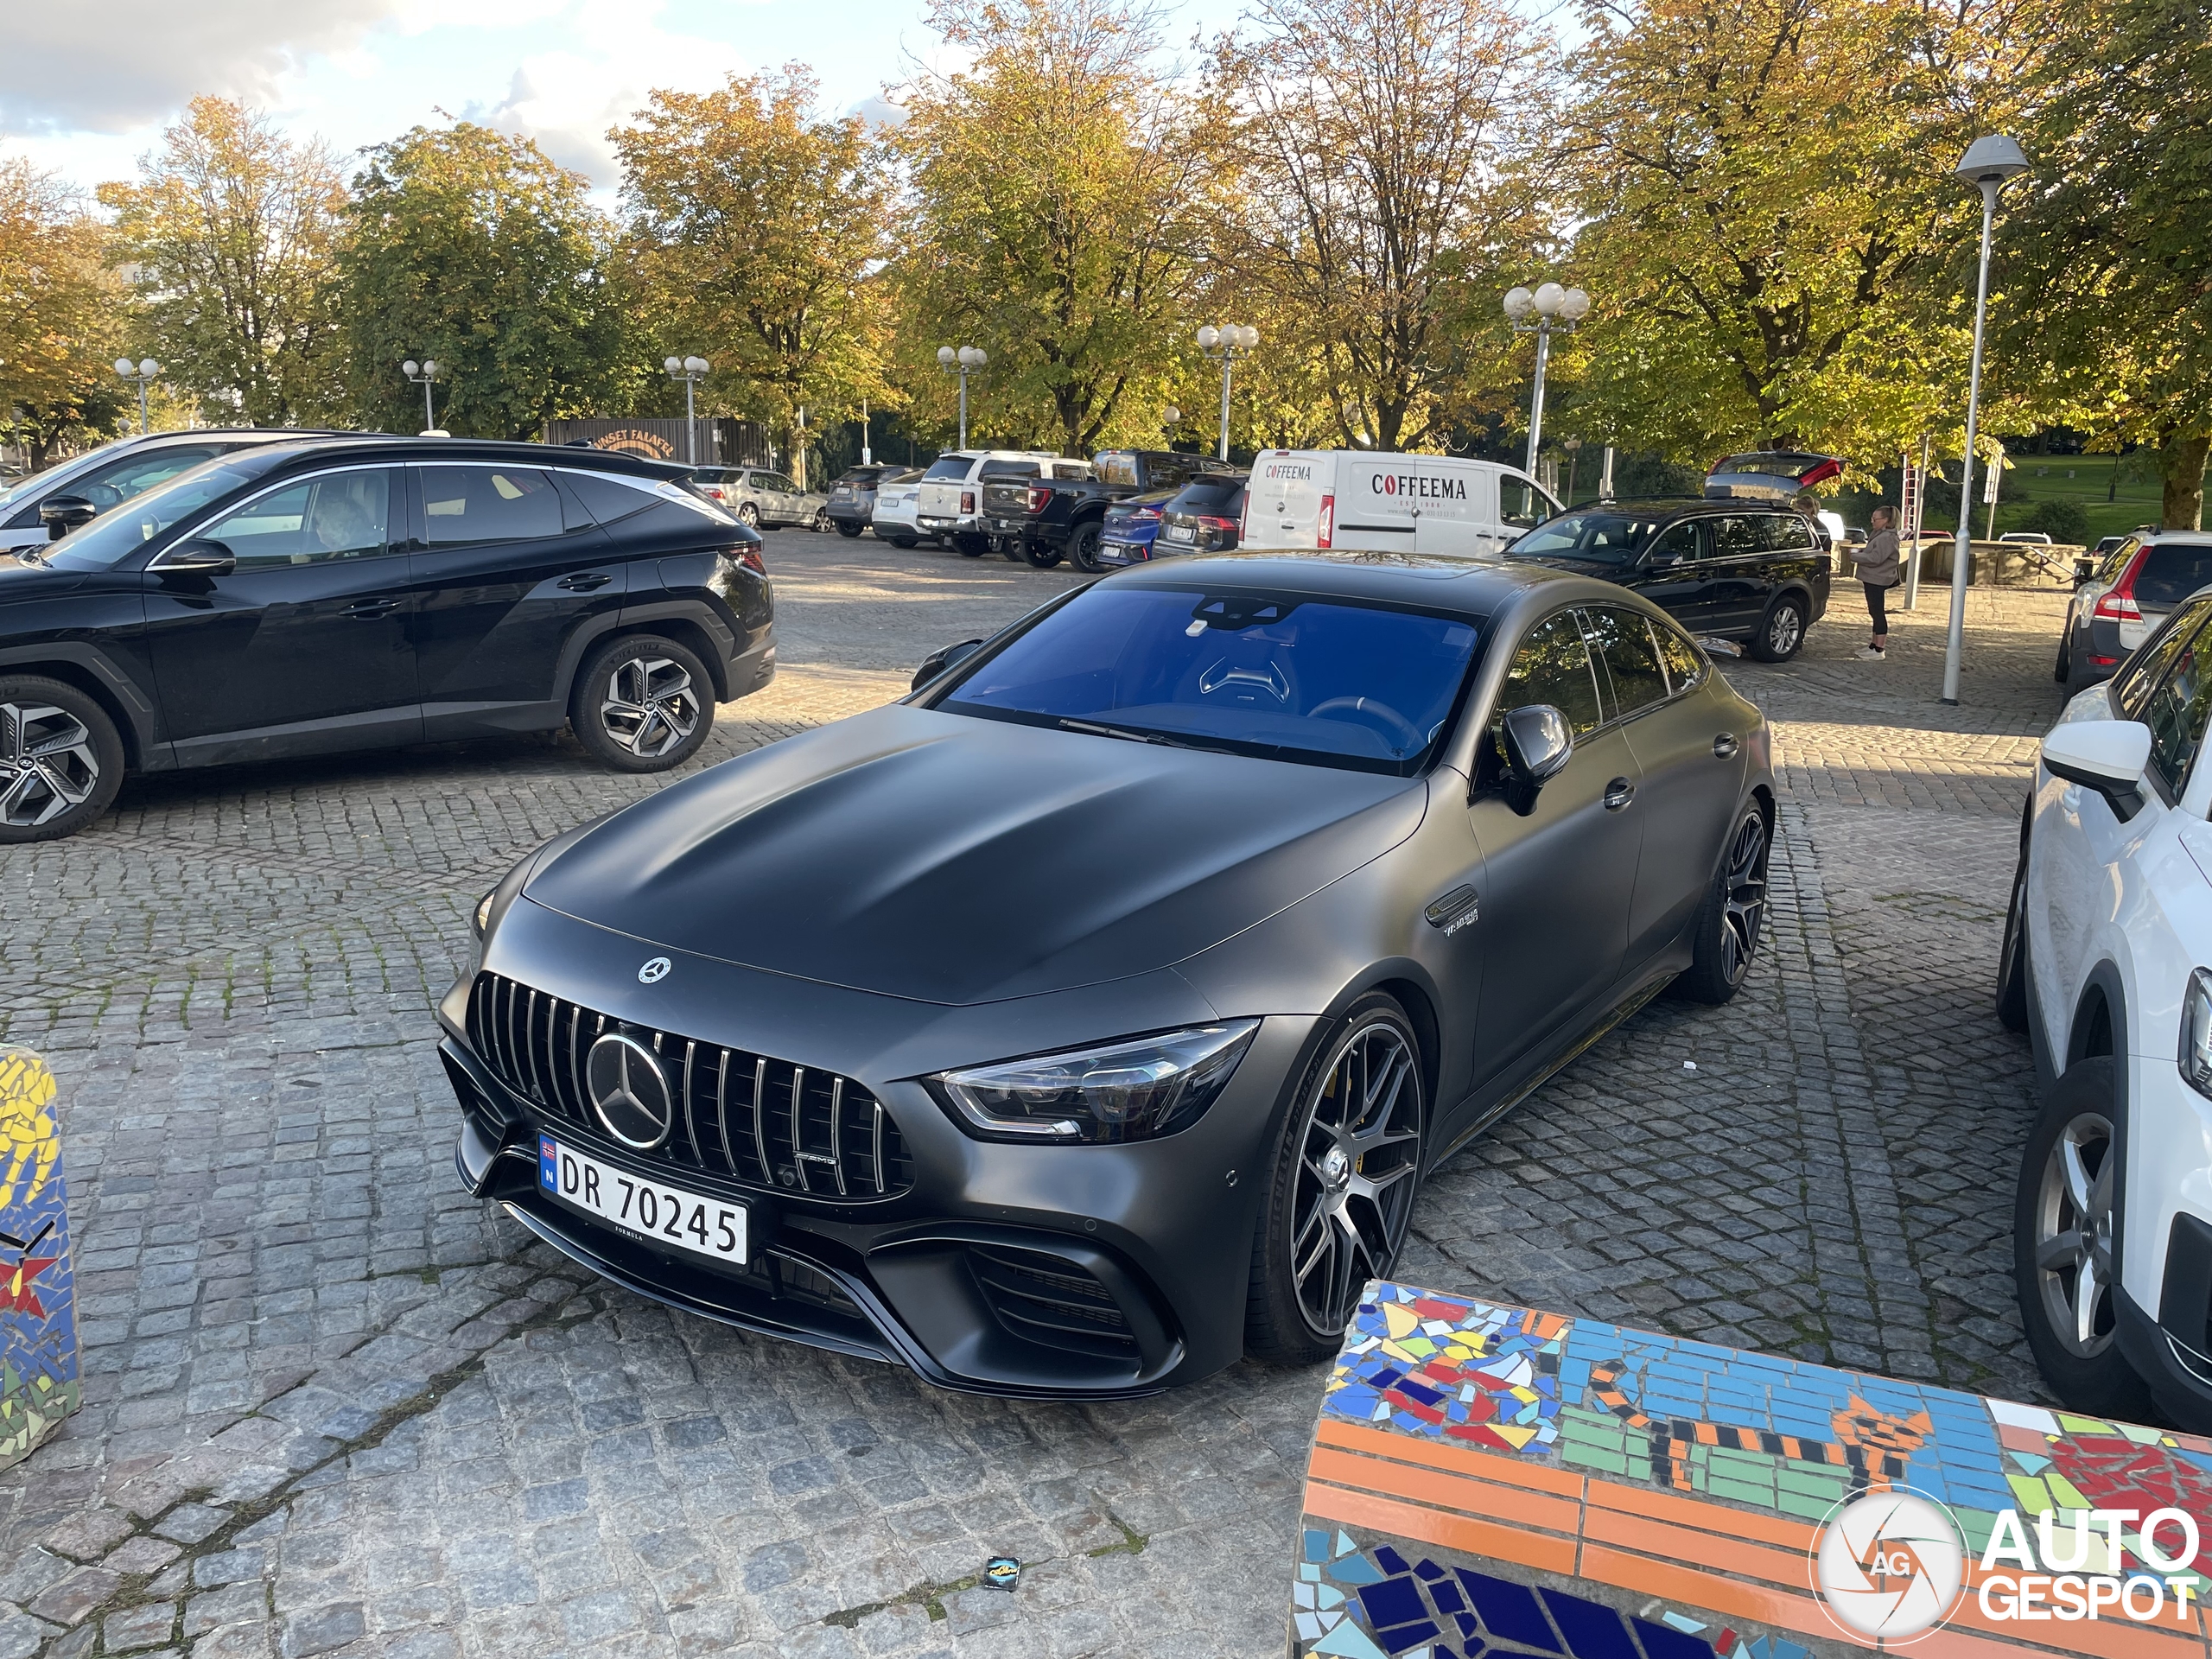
(2073, 1236)
(1358, 1151)
(47, 764)
(1742, 898)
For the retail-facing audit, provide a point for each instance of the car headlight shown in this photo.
(484, 911)
(2195, 1056)
(1134, 1090)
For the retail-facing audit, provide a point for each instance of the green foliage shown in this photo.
(230, 234)
(62, 317)
(472, 249)
(2063, 519)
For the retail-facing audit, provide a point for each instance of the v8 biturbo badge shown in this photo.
(38, 1322)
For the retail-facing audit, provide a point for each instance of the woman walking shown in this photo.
(1878, 573)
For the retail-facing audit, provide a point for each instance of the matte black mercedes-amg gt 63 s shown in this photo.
(1091, 1017)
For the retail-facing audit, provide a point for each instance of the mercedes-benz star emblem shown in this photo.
(654, 971)
(629, 1091)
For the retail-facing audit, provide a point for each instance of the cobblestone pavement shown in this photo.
(334, 1408)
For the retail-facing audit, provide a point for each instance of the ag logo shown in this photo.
(654, 971)
(1889, 1565)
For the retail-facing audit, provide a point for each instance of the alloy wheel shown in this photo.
(650, 706)
(1743, 899)
(1784, 629)
(1359, 1152)
(47, 764)
(2074, 1236)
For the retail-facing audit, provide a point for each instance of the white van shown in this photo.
(1369, 503)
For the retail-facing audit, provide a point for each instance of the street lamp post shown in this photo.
(1574, 448)
(423, 374)
(962, 362)
(145, 370)
(1554, 306)
(1222, 344)
(691, 370)
(1989, 161)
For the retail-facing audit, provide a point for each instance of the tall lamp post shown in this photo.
(1988, 163)
(1553, 307)
(962, 361)
(145, 370)
(1222, 344)
(423, 374)
(691, 370)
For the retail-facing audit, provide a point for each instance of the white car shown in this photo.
(952, 493)
(2106, 964)
(896, 516)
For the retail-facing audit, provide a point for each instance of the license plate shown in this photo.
(1178, 532)
(646, 1209)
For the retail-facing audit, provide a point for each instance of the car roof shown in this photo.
(1659, 506)
(358, 449)
(1473, 586)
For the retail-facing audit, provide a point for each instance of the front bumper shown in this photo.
(1137, 1256)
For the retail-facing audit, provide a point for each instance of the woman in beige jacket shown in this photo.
(1877, 571)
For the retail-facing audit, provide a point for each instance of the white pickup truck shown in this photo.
(951, 503)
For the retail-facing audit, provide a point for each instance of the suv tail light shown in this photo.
(1039, 495)
(1216, 530)
(2118, 604)
(747, 555)
(1325, 530)
(967, 500)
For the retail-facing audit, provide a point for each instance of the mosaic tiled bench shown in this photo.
(1496, 1481)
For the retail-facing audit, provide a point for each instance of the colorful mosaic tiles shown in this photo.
(38, 1322)
(1680, 1484)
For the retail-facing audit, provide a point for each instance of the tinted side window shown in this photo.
(2176, 713)
(2116, 561)
(117, 481)
(2148, 665)
(1010, 469)
(1785, 532)
(2171, 572)
(1521, 503)
(609, 499)
(1553, 665)
(1621, 641)
(339, 516)
(1676, 541)
(1735, 538)
(487, 504)
(1686, 663)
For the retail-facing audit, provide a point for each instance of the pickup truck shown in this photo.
(1047, 520)
(950, 506)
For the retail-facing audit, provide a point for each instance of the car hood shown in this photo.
(955, 860)
(19, 579)
(1603, 569)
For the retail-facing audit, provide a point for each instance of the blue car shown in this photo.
(1131, 526)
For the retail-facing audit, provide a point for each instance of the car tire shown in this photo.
(642, 703)
(1043, 554)
(60, 759)
(820, 524)
(1782, 630)
(2012, 954)
(903, 544)
(2063, 1269)
(1013, 550)
(2062, 672)
(1364, 1097)
(1083, 547)
(971, 547)
(848, 530)
(1733, 919)
(748, 514)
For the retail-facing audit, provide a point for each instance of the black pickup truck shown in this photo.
(1045, 520)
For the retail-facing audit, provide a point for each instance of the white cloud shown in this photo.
(567, 100)
(68, 66)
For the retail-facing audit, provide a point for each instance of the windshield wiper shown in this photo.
(1124, 733)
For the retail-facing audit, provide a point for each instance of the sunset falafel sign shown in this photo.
(1502, 1481)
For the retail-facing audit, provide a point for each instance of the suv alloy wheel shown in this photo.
(642, 703)
(1783, 630)
(1083, 546)
(60, 760)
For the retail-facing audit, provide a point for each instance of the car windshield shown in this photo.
(950, 467)
(1611, 538)
(1282, 676)
(121, 530)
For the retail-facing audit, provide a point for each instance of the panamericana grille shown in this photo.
(760, 1121)
(1053, 1301)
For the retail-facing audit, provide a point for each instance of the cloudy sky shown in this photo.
(86, 84)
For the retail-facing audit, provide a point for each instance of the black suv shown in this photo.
(1740, 570)
(304, 597)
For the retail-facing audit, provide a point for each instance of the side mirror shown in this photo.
(2083, 570)
(2105, 755)
(198, 558)
(62, 513)
(1538, 743)
(938, 662)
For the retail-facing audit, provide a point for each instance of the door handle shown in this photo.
(583, 583)
(371, 609)
(1619, 794)
(1724, 747)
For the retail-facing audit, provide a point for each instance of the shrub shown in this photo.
(2060, 518)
